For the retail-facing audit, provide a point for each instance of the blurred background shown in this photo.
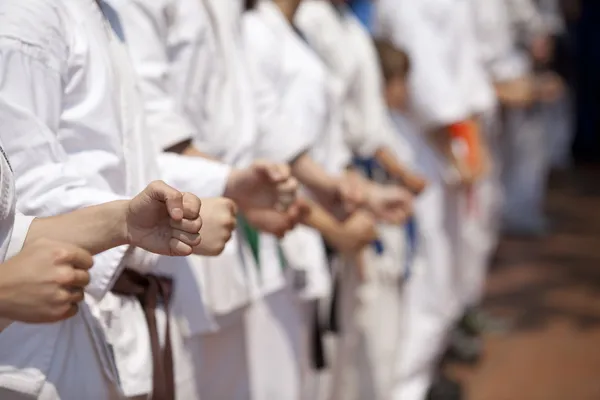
(549, 287)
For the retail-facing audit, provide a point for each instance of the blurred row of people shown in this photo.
(331, 205)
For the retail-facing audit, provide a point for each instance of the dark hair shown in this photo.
(250, 4)
(394, 62)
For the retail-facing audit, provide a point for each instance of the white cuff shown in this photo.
(19, 234)
(200, 176)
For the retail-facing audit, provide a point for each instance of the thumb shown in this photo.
(275, 172)
(160, 191)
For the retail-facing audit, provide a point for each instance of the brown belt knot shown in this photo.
(149, 289)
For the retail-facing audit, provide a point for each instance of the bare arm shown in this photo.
(160, 220)
(390, 163)
(314, 177)
(95, 229)
(349, 236)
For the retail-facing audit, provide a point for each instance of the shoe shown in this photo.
(464, 347)
(444, 388)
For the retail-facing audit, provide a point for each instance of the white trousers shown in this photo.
(365, 352)
(66, 360)
(274, 344)
(458, 231)
(431, 302)
(220, 362)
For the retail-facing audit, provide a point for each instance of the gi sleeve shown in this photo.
(19, 234)
(48, 181)
(375, 127)
(149, 28)
(202, 177)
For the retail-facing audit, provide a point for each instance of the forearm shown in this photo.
(399, 171)
(321, 220)
(313, 176)
(95, 229)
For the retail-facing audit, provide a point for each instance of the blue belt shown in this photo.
(368, 166)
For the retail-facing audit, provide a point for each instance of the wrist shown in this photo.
(119, 229)
(231, 187)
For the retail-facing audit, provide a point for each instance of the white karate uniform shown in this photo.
(199, 72)
(290, 98)
(81, 82)
(447, 84)
(173, 47)
(373, 325)
(49, 358)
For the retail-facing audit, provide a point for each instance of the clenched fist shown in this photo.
(351, 190)
(219, 221)
(163, 220)
(389, 203)
(262, 185)
(275, 222)
(44, 282)
(358, 231)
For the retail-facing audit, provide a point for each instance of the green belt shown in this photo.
(253, 239)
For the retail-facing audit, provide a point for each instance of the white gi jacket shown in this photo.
(285, 94)
(13, 225)
(173, 49)
(79, 140)
(346, 48)
(200, 71)
(234, 87)
(501, 54)
(447, 83)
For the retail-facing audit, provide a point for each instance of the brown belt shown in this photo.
(149, 289)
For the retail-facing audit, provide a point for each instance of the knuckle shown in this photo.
(64, 275)
(62, 297)
(59, 253)
(155, 185)
(197, 225)
(77, 297)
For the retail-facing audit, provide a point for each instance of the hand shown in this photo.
(414, 182)
(358, 230)
(390, 203)
(517, 93)
(351, 190)
(262, 185)
(276, 222)
(163, 220)
(219, 221)
(549, 87)
(44, 282)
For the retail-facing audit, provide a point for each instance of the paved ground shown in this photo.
(551, 289)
